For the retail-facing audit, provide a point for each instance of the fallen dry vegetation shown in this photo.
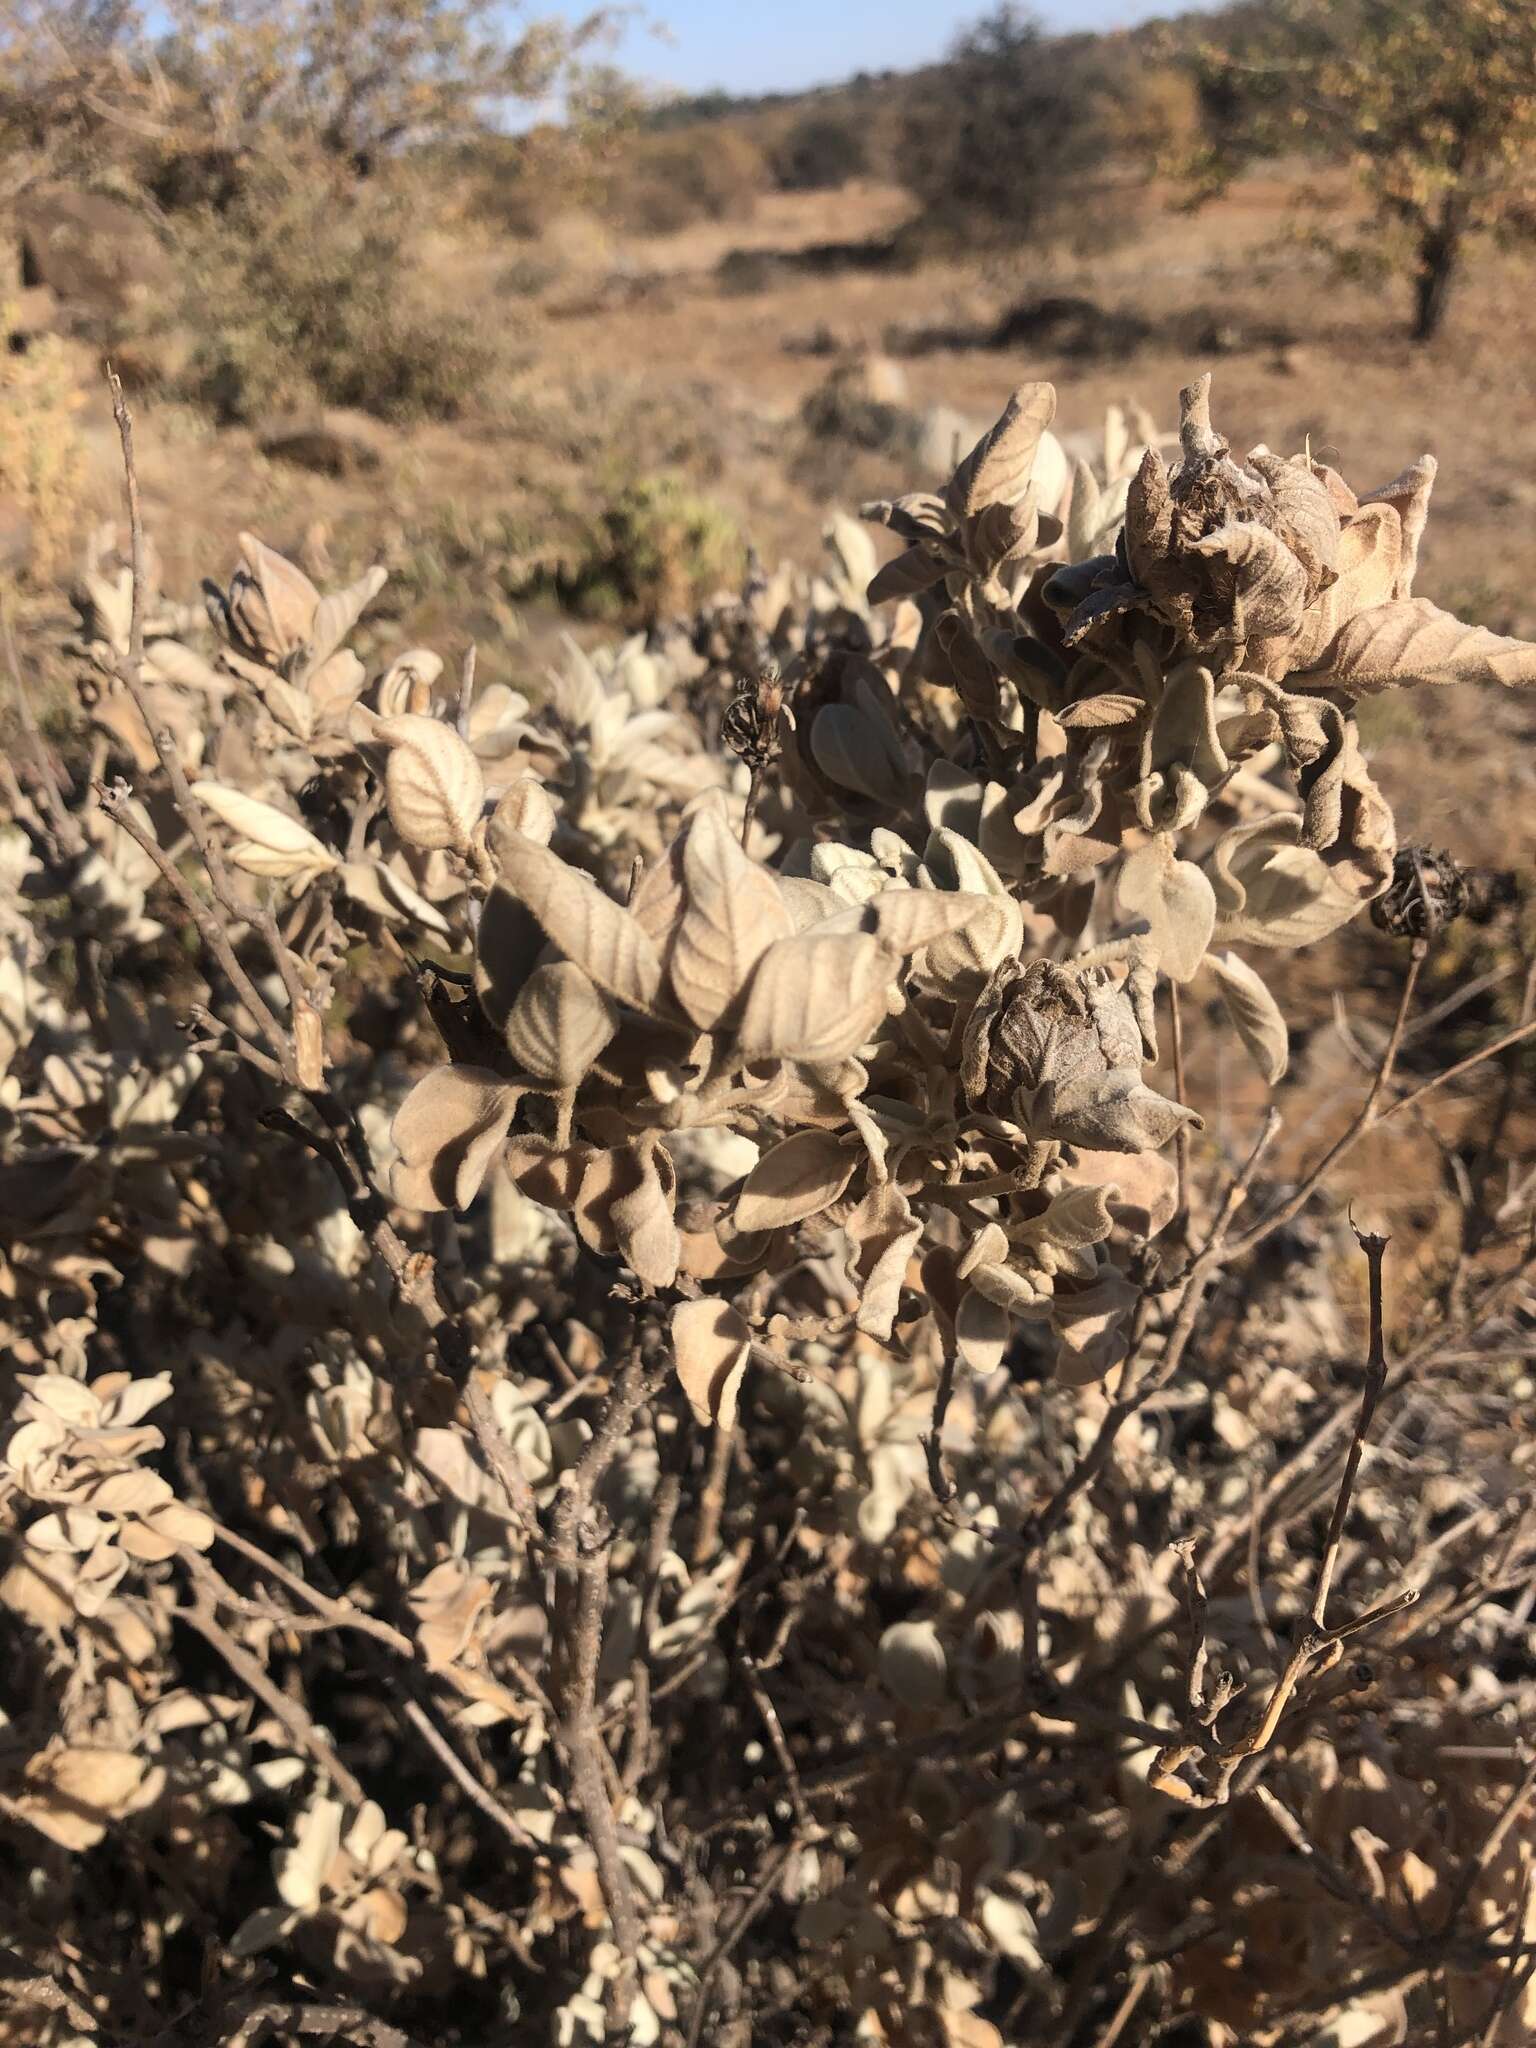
(647, 1401)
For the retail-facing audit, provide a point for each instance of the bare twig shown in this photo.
(720, 1954)
(295, 1718)
(1317, 1647)
(1180, 1095)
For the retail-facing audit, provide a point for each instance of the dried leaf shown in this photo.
(1177, 901)
(1113, 1112)
(914, 1667)
(1255, 1015)
(73, 1795)
(587, 926)
(388, 895)
(733, 912)
(447, 1131)
(796, 1179)
(906, 920)
(885, 1234)
(560, 1023)
(1411, 642)
(861, 754)
(301, 1871)
(711, 1344)
(336, 615)
(263, 828)
(998, 469)
(816, 998)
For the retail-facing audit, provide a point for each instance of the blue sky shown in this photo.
(781, 45)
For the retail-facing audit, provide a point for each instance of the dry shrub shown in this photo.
(665, 1386)
(821, 152)
(304, 288)
(661, 183)
(1019, 138)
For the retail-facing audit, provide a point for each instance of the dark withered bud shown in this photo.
(750, 727)
(1427, 892)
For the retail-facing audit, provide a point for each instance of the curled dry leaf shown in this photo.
(1255, 1014)
(447, 1131)
(711, 1344)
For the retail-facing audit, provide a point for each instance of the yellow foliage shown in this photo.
(42, 457)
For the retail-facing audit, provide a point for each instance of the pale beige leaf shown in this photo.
(432, 782)
(281, 618)
(1143, 1189)
(336, 615)
(816, 998)
(795, 1180)
(301, 1871)
(1113, 1112)
(624, 1209)
(525, 809)
(1410, 642)
(648, 1237)
(1077, 1217)
(1006, 1288)
(885, 1234)
(447, 1131)
(998, 469)
(406, 685)
(177, 1524)
(447, 1603)
(266, 827)
(1177, 901)
(72, 1795)
(388, 895)
(908, 919)
(1255, 1014)
(560, 1023)
(914, 1667)
(587, 926)
(711, 1344)
(168, 661)
(1270, 891)
(733, 913)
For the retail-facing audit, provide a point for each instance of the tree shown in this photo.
(361, 76)
(357, 78)
(1432, 107)
(1011, 135)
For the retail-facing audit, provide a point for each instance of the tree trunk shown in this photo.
(1439, 256)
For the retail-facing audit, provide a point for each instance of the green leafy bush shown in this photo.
(656, 547)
